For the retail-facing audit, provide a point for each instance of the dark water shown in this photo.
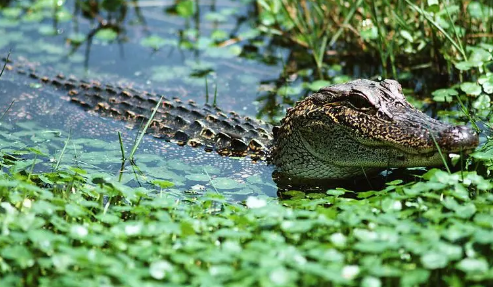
(187, 53)
(41, 116)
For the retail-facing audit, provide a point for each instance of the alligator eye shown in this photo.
(359, 103)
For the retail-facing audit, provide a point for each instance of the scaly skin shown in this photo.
(359, 127)
(181, 122)
(341, 131)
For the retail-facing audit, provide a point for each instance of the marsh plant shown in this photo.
(403, 34)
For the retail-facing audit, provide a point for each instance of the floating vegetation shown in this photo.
(72, 215)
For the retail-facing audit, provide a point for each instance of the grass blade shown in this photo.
(7, 110)
(455, 30)
(444, 160)
(348, 18)
(122, 149)
(141, 135)
(206, 91)
(5, 64)
(214, 102)
(63, 151)
(468, 115)
(439, 28)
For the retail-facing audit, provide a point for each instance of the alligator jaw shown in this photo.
(450, 139)
(459, 140)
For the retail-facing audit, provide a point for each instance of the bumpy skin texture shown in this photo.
(359, 127)
(339, 132)
(184, 123)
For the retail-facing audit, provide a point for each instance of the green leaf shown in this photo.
(336, 192)
(317, 85)
(479, 55)
(371, 282)
(482, 103)
(47, 30)
(486, 46)
(11, 12)
(186, 8)
(479, 181)
(112, 5)
(186, 229)
(415, 277)
(37, 152)
(160, 269)
(473, 265)
(154, 42)
(406, 35)
(62, 262)
(78, 231)
(475, 10)
(76, 38)
(471, 88)
(487, 83)
(434, 260)
(19, 254)
(163, 183)
(296, 226)
(198, 177)
(219, 34)
(106, 35)
(289, 90)
(444, 95)
(217, 17)
(74, 210)
(433, 6)
(465, 210)
(466, 65)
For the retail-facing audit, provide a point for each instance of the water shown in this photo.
(43, 118)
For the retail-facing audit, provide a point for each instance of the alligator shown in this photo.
(342, 131)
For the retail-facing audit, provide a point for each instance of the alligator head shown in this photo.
(362, 126)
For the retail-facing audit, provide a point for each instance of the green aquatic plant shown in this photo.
(402, 33)
(56, 231)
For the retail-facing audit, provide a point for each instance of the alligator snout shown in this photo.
(457, 138)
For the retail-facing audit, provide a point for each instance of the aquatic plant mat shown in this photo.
(73, 228)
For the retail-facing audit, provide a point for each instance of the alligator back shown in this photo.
(185, 123)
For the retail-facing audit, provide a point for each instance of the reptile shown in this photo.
(341, 131)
